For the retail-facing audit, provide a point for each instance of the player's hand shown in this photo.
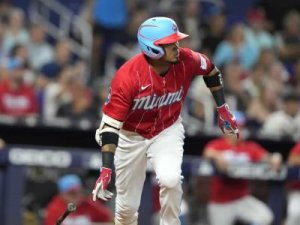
(275, 161)
(221, 163)
(100, 189)
(227, 121)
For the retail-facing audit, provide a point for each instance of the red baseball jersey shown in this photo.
(20, 102)
(148, 103)
(224, 189)
(87, 213)
(294, 185)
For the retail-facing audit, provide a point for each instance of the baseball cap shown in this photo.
(69, 182)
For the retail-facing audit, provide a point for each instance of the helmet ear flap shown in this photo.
(153, 52)
(157, 50)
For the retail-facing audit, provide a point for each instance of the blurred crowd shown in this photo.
(260, 62)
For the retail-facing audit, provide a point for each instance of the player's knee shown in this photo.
(169, 180)
(269, 219)
(265, 218)
(125, 211)
(117, 222)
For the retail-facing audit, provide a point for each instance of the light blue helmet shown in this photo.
(157, 31)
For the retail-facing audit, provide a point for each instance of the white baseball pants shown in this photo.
(165, 152)
(293, 208)
(247, 209)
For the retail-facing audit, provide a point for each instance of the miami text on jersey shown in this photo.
(153, 101)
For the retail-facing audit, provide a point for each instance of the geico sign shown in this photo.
(36, 157)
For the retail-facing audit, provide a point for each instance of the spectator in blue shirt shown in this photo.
(236, 48)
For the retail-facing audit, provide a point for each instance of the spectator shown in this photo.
(268, 101)
(102, 91)
(80, 106)
(5, 9)
(40, 52)
(87, 212)
(19, 56)
(199, 114)
(103, 17)
(293, 201)
(63, 58)
(110, 20)
(230, 199)
(57, 93)
(288, 40)
(234, 74)
(15, 32)
(266, 58)
(17, 98)
(215, 32)
(129, 36)
(296, 78)
(256, 32)
(254, 83)
(191, 23)
(278, 74)
(284, 123)
(236, 48)
(2, 32)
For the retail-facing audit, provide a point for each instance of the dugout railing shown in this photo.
(15, 158)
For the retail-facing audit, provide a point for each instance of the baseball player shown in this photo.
(230, 199)
(141, 120)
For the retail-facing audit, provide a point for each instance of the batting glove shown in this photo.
(227, 121)
(100, 189)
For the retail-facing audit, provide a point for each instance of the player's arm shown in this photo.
(115, 110)
(258, 153)
(107, 136)
(274, 160)
(217, 157)
(226, 120)
(214, 82)
(294, 160)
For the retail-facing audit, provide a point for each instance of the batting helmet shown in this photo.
(157, 31)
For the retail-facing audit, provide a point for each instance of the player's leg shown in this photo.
(293, 208)
(130, 165)
(221, 214)
(165, 154)
(254, 211)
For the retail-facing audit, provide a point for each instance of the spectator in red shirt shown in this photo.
(230, 199)
(87, 212)
(293, 207)
(17, 98)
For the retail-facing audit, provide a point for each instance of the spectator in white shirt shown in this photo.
(15, 32)
(284, 123)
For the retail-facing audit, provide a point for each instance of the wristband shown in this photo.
(219, 97)
(108, 159)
